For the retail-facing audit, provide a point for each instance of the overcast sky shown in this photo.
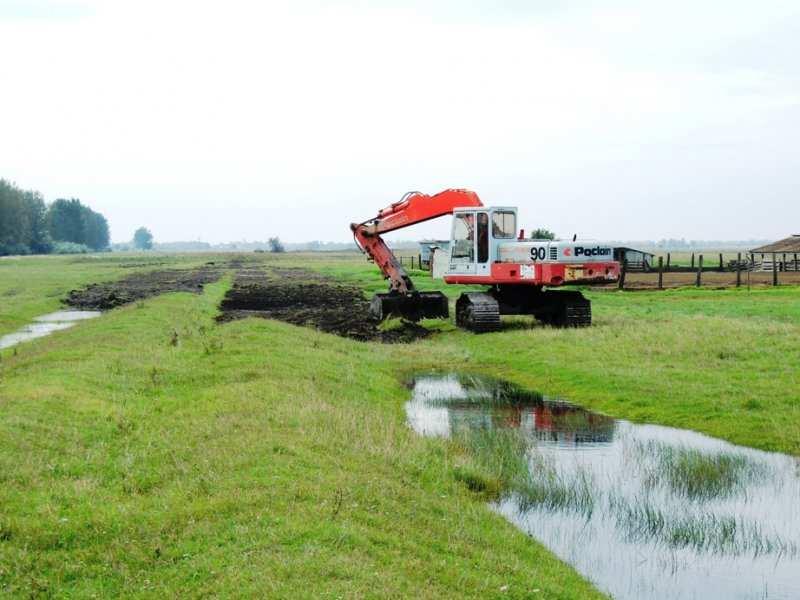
(224, 121)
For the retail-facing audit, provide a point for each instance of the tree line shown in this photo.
(30, 226)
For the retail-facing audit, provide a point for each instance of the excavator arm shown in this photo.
(413, 208)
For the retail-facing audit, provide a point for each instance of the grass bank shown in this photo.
(153, 453)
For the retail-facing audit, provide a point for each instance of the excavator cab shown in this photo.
(475, 236)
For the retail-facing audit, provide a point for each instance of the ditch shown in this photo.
(639, 510)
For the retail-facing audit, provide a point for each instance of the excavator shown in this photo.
(485, 249)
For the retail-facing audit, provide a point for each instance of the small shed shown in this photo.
(426, 248)
(785, 252)
(638, 260)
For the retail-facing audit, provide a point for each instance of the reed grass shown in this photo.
(699, 475)
(704, 532)
(512, 459)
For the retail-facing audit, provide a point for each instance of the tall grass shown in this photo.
(698, 475)
(512, 465)
(643, 522)
(550, 488)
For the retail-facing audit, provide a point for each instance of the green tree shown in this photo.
(22, 221)
(542, 234)
(38, 238)
(28, 225)
(143, 239)
(275, 245)
(11, 220)
(96, 228)
(65, 221)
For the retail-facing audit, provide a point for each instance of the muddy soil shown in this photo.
(104, 296)
(305, 298)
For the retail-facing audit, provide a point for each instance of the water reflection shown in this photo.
(643, 511)
(47, 324)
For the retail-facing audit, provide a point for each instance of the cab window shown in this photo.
(463, 238)
(503, 224)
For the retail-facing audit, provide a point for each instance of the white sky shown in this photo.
(235, 120)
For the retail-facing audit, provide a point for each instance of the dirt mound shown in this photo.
(304, 298)
(104, 296)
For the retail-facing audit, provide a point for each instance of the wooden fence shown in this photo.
(772, 269)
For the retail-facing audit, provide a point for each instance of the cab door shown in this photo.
(482, 254)
(463, 244)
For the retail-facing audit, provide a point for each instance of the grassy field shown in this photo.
(723, 362)
(152, 452)
(32, 286)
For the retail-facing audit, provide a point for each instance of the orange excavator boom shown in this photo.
(415, 207)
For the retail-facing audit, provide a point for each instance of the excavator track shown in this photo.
(564, 309)
(478, 312)
(577, 313)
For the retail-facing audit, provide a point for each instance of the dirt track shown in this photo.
(304, 298)
(104, 296)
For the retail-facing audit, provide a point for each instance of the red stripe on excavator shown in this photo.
(553, 274)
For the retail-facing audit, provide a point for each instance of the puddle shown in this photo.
(642, 511)
(47, 324)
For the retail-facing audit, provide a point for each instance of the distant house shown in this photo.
(785, 252)
(638, 260)
(425, 250)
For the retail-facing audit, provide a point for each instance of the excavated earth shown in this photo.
(104, 296)
(301, 297)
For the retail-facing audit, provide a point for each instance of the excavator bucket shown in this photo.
(412, 307)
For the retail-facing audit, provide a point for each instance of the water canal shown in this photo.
(642, 511)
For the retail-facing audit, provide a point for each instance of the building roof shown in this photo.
(790, 244)
(626, 249)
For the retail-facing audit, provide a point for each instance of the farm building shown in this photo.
(425, 250)
(638, 260)
(785, 252)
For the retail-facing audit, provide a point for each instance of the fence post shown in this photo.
(692, 260)
(795, 262)
(661, 272)
(720, 261)
(699, 270)
(622, 272)
(668, 257)
(783, 264)
(774, 269)
(739, 270)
